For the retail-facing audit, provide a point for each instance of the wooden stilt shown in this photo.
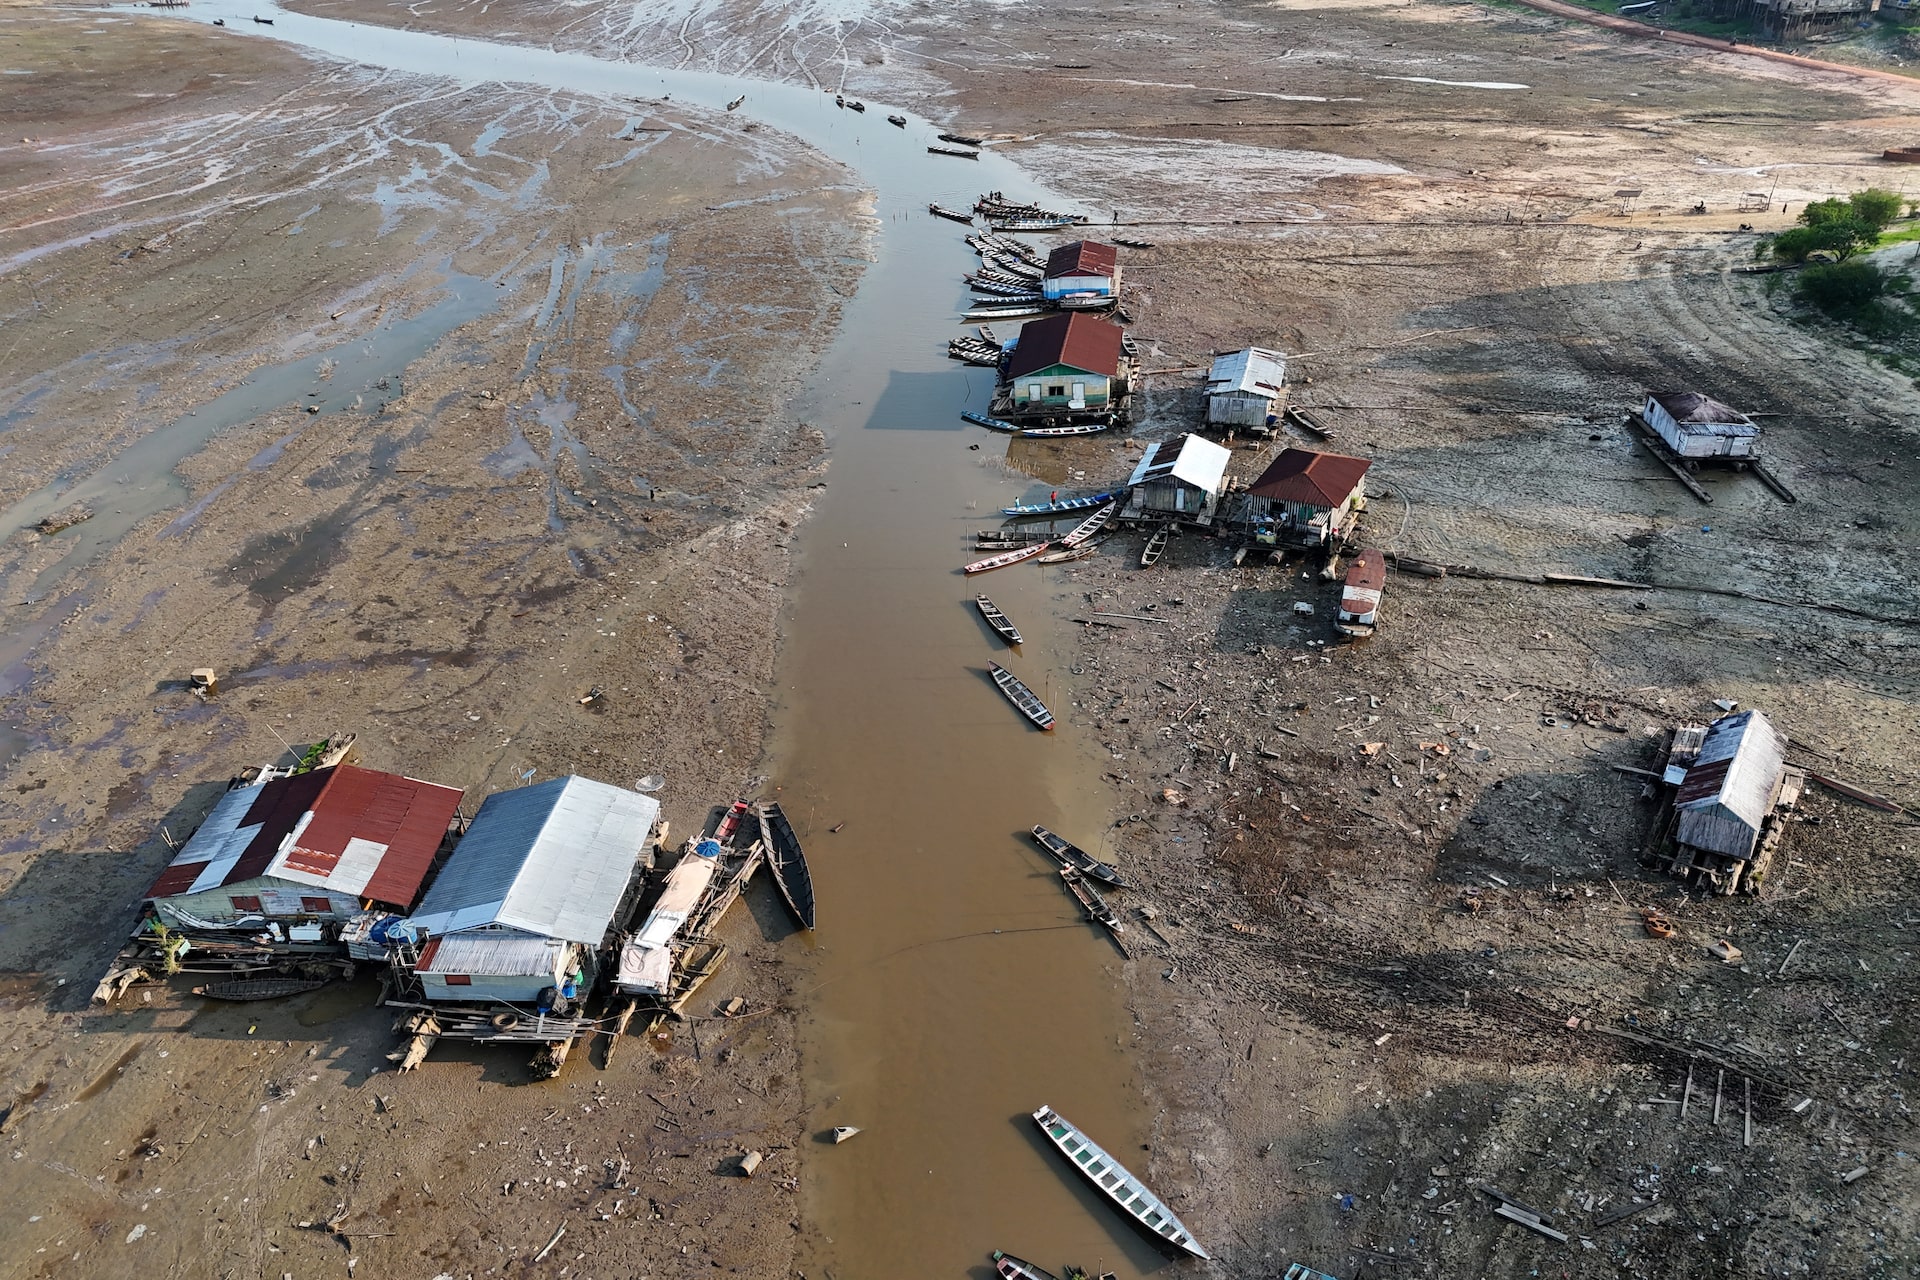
(1719, 1082)
(1686, 1091)
(1748, 1140)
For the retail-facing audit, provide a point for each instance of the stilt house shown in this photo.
(1700, 427)
(1246, 388)
(1733, 782)
(303, 854)
(1179, 479)
(525, 901)
(1065, 364)
(1305, 499)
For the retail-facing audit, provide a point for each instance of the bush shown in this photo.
(1842, 237)
(1876, 207)
(1844, 290)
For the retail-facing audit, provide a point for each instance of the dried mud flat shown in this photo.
(1337, 1050)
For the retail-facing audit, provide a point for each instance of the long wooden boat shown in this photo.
(960, 138)
(1156, 546)
(1004, 559)
(259, 988)
(1133, 244)
(1061, 507)
(1022, 697)
(1091, 525)
(941, 211)
(951, 151)
(1004, 311)
(992, 424)
(1080, 429)
(1069, 854)
(1013, 1268)
(1360, 595)
(1027, 225)
(1120, 1186)
(997, 620)
(1097, 909)
(787, 861)
(1063, 557)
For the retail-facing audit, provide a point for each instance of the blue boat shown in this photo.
(991, 424)
(1057, 508)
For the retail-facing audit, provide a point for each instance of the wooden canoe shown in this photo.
(259, 988)
(940, 211)
(1111, 1177)
(1069, 854)
(1097, 909)
(1012, 1268)
(1091, 525)
(991, 424)
(1080, 429)
(1062, 507)
(1022, 697)
(1062, 557)
(787, 862)
(1156, 546)
(997, 620)
(1004, 559)
(961, 139)
(951, 151)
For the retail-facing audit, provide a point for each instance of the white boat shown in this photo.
(1120, 1186)
(1080, 429)
(1009, 1267)
(646, 959)
(1004, 559)
(1090, 526)
(1360, 595)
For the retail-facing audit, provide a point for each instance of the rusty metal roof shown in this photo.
(1082, 258)
(1070, 338)
(1309, 478)
(352, 830)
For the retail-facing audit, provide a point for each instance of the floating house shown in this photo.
(1732, 784)
(1178, 480)
(1246, 388)
(1305, 499)
(523, 905)
(1699, 427)
(1083, 275)
(297, 857)
(1063, 365)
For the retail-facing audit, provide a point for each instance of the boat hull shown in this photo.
(1112, 1178)
(787, 862)
(1022, 697)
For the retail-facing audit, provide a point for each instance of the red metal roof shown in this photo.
(1082, 258)
(1367, 572)
(1070, 338)
(1312, 479)
(345, 803)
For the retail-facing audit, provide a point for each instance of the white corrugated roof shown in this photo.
(1730, 786)
(495, 953)
(1200, 463)
(551, 859)
(1253, 371)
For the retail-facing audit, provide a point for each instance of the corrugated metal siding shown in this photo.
(492, 954)
(1731, 785)
(552, 859)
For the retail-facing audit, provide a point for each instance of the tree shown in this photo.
(1843, 290)
(1841, 237)
(1876, 207)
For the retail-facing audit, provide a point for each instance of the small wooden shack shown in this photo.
(1084, 274)
(1246, 388)
(1732, 786)
(1305, 499)
(1065, 364)
(1178, 480)
(1699, 427)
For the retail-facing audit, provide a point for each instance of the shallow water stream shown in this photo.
(952, 987)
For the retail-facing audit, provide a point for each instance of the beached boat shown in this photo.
(1008, 311)
(1004, 559)
(1061, 506)
(1029, 225)
(982, 420)
(941, 211)
(961, 139)
(1069, 854)
(1022, 697)
(1156, 546)
(1085, 301)
(1096, 906)
(1120, 1186)
(950, 151)
(259, 988)
(899, 122)
(997, 620)
(1360, 596)
(1091, 525)
(1013, 1268)
(988, 335)
(1133, 244)
(1079, 429)
(787, 862)
(1062, 557)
